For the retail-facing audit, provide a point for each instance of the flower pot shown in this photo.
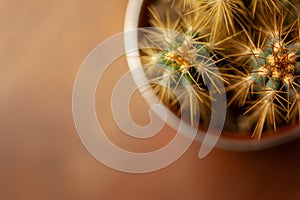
(229, 140)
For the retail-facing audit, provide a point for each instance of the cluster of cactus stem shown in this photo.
(252, 47)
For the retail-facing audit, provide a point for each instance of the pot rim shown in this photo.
(131, 24)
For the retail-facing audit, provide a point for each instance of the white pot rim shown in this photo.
(131, 23)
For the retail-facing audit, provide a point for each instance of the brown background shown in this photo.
(42, 45)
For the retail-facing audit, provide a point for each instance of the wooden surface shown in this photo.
(43, 44)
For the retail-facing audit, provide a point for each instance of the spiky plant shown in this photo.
(187, 63)
(255, 45)
(267, 81)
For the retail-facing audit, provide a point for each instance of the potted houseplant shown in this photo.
(252, 48)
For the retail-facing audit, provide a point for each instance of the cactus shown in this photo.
(255, 45)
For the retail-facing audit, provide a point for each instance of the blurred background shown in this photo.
(43, 44)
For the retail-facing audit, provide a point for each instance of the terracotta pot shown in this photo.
(135, 15)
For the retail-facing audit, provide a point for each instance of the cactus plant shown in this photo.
(255, 45)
